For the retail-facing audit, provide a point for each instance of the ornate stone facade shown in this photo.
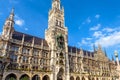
(33, 58)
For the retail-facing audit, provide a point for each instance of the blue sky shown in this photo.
(89, 21)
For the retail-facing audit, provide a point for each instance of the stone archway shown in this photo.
(60, 74)
(78, 78)
(25, 77)
(93, 79)
(46, 77)
(35, 77)
(83, 78)
(89, 78)
(11, 77)
(97, 79)
(71, 78)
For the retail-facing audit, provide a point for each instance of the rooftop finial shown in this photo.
(105, 52)
(99, 46)
(11, 17)
(12, 10)
(94, 47)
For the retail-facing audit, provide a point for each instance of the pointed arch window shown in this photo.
(60, 23)
(56, 22)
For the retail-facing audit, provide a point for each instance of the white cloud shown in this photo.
(83, 41)
(95, 27)
(88, 20)
(109, 40)
(97, 16)
(107, 29)
(79, 44)
(98, 34)
(19, 21)
(26, 29)
(107, 37)
(88, 38)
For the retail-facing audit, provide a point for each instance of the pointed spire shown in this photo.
(23, 38)
(112, 58)
(11, 17)
(81, 52)
(42, 43)
(33, 41)
(71, 50)
(94, 47)
(12, 12)
(76, 50)
(105, 52)
(99, 47)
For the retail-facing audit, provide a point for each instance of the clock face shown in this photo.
(60, 41)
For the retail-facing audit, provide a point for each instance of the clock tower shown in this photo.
(57, 37)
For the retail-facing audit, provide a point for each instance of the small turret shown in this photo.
(116, 55)
(8, 27)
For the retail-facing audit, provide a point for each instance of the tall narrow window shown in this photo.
(60, 23)
(56, 22)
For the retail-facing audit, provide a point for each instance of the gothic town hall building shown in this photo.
(26, 57)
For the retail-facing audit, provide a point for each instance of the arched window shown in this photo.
(61, 62)
(46, 77)
(60, 23)
(61, 55)
(78, 78)
(83, 78)
(71, 78)
(60, 74)
(24, 77)
(11, 77)
(56, 22)
(35, 77)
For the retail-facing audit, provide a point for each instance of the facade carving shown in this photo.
(26, 57)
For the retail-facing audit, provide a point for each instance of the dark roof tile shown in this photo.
(85, 52)
(28, 38)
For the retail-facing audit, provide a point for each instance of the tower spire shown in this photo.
(56, 4)
(105, 52)
(99, 47)
(11, 17)
(8, 26)
(94, 47)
